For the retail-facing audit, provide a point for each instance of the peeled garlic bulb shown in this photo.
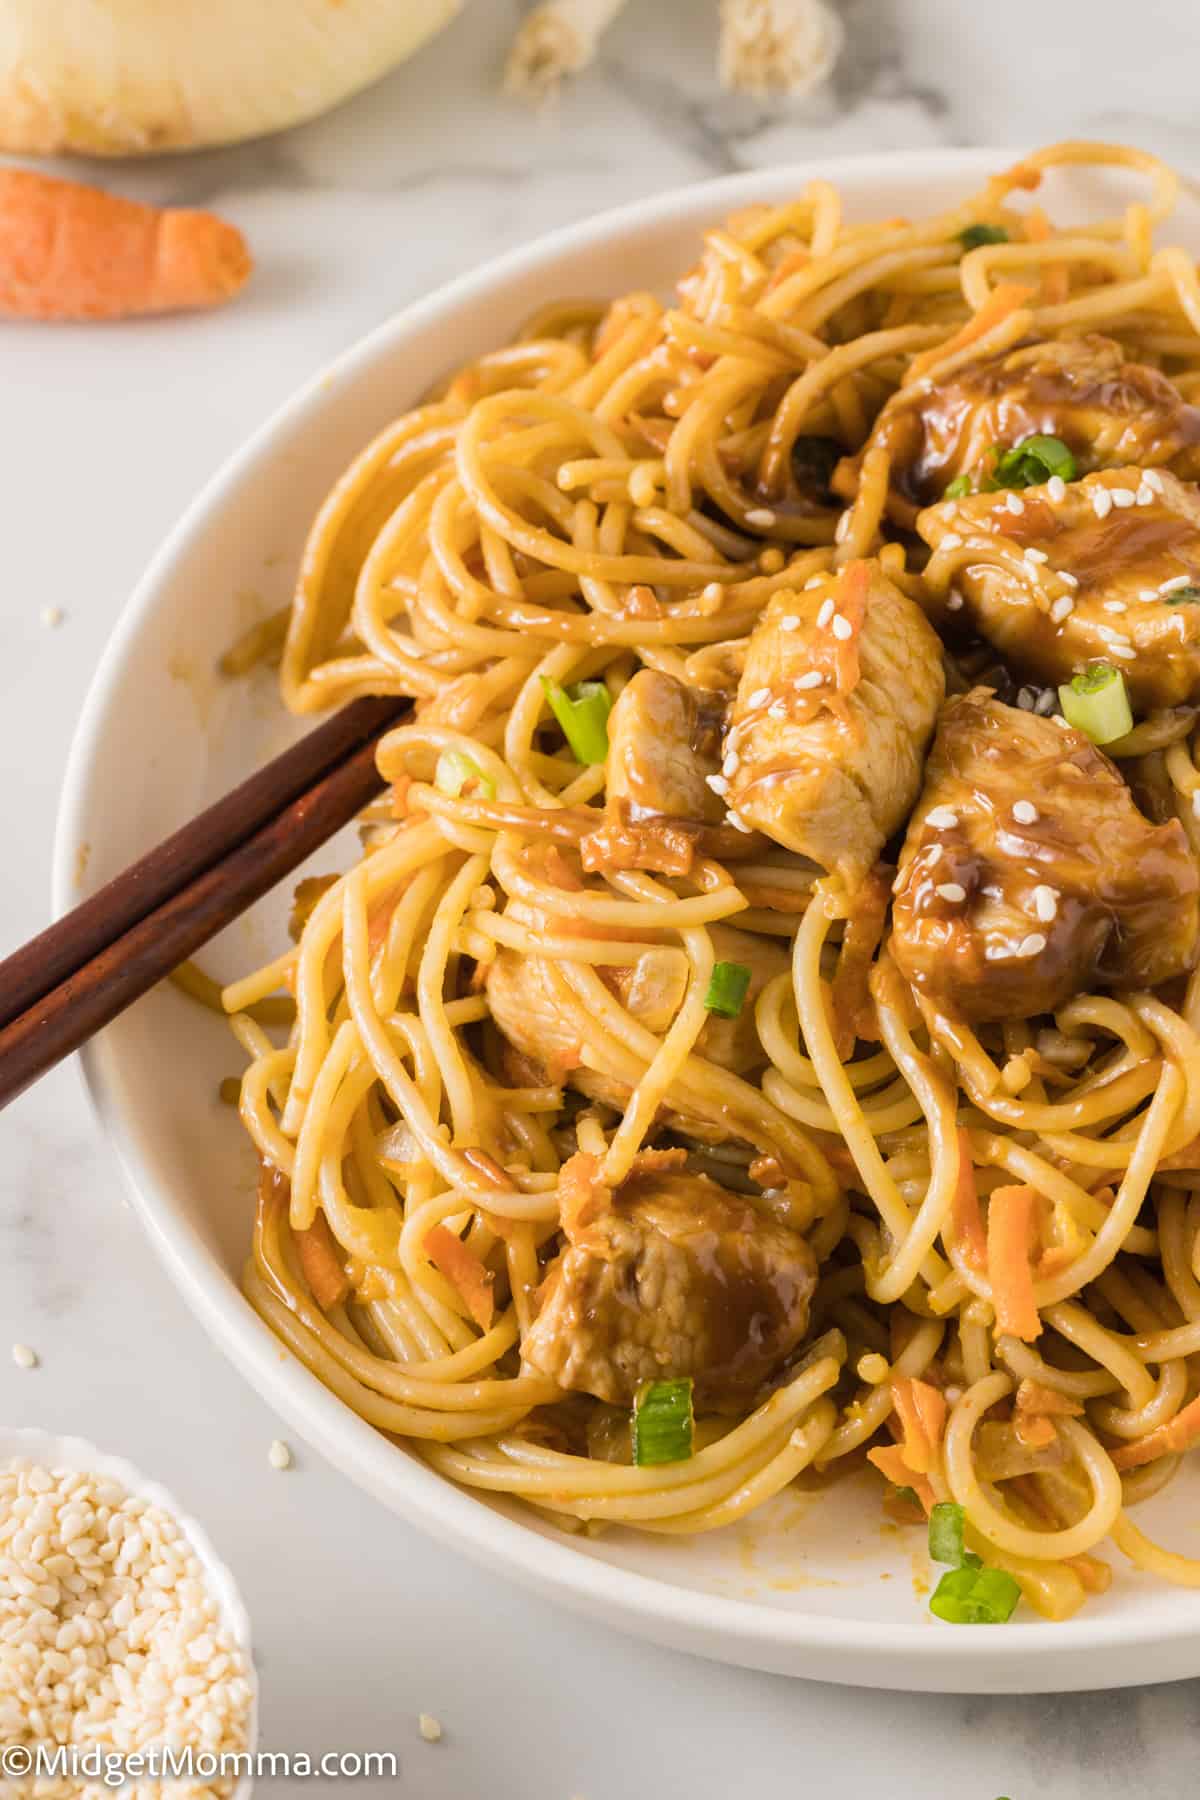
(124, 77)
(782, 46)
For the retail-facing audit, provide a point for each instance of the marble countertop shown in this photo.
(108, 432)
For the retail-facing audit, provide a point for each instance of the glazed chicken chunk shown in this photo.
(1109, 412)
(664, 740)
(540, 1017)
(1028, 874)
(833, 712)
(669, 1276)
(1056, 577)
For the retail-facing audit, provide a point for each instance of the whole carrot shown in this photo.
(68, 251)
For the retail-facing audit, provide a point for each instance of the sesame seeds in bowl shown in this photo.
(120, 1629)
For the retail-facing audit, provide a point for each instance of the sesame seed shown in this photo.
(997, 952)
(1125, 650)
(933, 854)
(738, 823)
(954, 601)
(761, 517)
(1025, 812)
(760, 697)
(1034, 555)
(1145, 494)
(1147, 593)
(1101, 502)
(429, 1728)
(815, 581)
(951, 890)
(731, 763)
(51, 616)
(718, 784)
(777, 709)
(1045, 903)
(1062, 609)
(813, 679)
(1025, 699)
(942, 818)
(826, 613)
(842, 530)
(1110, 636)
(1123, 496)
(842, 628)
(1065, 576)
(1153, 479)
(1115, 606)
(279, 1456)
(790, 623)
(1176, 581)
(951, 541)
(24, 1357)
(1032, 945)
(1014, 503)
(1056, 488)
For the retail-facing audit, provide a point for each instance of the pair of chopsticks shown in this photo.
(75, 977)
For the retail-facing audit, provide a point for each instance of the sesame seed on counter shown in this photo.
(279, 1455)
(429, 1728)
(24, 1356)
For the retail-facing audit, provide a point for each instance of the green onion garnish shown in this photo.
(946, 1534)
(975, 235)
(1097, 703)
(727, 989)
(582, 711)
(970, 1596)
(1033, 461)
(1180, 596)
(454, 771)
(663, 1423)
(958, 489)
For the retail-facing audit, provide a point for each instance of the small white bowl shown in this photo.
(813, 1586)
(19, 1444)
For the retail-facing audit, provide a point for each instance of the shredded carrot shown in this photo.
(1035, 1397)
(1177, 1435)
(464, 1271)
(1005, 298)
(850, 995)
(321, 1263)
(921, 1412)
(68, 251)
(889, 1460)
(966, 1220)
(1011, 1212)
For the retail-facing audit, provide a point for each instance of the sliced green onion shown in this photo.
(975, 235)
(727, 989)
(455, 770)
(1032, 462)
(663, 1423)
(975, 1596)
(1181, 596)
(1097, 703)
(958, 489)
(946, 1543)
(582, 711)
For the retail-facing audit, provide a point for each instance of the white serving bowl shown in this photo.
(19, 1444)
(813, 1587)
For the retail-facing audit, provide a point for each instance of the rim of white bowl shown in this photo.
(1074, 1654)
(56, 1450)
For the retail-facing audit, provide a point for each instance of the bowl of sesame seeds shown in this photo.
(121, 1630)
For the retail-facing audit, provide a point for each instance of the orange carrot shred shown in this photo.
(850, 995)
(1171, 1439)
(321, 1263)
(889, 1460)
(921, 1412)
(1009, 1247)
(1004, 299)
(69, 251)
(965, 1217)
(464, 1271)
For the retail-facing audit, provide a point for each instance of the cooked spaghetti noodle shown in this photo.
(940, 1222)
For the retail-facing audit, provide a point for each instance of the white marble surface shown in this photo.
(106, 434)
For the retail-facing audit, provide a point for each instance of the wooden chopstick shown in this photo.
(75, 977)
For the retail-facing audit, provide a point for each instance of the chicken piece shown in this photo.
(538, 1017)
(664, 740)
(1107, 411)
(1028, 874)
(1107, 569)
(671, 1275)
(833, 712)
